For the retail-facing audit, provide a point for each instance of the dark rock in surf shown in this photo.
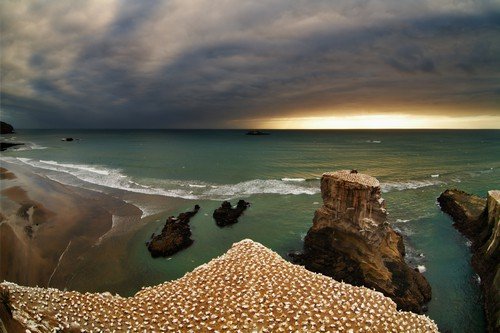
(227, 215)
(7, 129)
(175, 235)
(7, 145)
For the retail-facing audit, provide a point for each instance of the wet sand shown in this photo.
(54, 235)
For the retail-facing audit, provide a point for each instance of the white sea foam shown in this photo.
(197, 185)
(78, 167)
(260, 186)
(115, 179)
(28, 146)
(293, 179)
(410, 185)
(106, 177)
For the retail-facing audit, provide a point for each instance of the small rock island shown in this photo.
(351, 241)
(226, 215)
(175, 235)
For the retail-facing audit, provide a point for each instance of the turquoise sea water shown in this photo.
(279, 174)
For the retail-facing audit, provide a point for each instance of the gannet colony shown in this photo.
(248, 289)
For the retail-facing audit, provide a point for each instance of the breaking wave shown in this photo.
(410, 185)
(115, 179)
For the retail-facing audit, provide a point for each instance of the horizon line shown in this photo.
(263, 129)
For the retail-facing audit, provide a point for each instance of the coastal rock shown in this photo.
(6, 145)
(478, 220)
(255, 132)
(248, 289)
(175, 235)
(226, 214)
(6, 128)
(351, 240)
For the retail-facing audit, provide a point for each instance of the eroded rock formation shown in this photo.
(478, 220)
(227, 215)
(351, 240)
(175, 235)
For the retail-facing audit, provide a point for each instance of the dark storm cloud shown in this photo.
(195, 64)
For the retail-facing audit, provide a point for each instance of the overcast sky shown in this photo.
(242, 63)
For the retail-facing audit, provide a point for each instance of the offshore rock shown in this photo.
(351, 240)
(7, 145)
(6, 128)
(478, 220)
(226, 214)
(175, 235)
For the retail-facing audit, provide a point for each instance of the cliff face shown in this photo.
(478, 220)
(351, 240)
(248, 289)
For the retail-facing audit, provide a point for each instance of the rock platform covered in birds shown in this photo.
(250, 288)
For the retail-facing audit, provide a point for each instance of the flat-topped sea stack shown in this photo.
(351, 241)
(478, 219)
(248, 289)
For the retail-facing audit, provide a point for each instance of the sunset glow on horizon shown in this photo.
(379, 121)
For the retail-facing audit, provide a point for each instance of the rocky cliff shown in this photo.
(478, 220)
(351, 240)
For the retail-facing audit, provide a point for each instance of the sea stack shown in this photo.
(351, 241)
(478, 219)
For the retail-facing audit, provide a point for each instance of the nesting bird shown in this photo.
(250, 288)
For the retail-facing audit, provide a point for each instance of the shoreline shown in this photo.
(52, 234)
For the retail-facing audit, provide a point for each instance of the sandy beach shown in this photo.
(54, 235)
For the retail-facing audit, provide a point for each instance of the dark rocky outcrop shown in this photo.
(351, 240)
(255, 132)
(6, 128)
(175, 235)
(478, 220)
(226, 214)
(6, 145)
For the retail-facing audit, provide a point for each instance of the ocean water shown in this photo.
(279, 174)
